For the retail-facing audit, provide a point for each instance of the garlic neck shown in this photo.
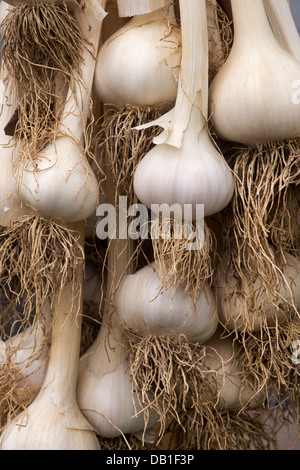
(283, 25)
(251, 25)
(191, 107)
(62, 369)
(77, 106)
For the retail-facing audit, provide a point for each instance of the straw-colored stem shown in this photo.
(140, 7)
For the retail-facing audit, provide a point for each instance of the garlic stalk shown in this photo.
(59, 182)
(250, 98)
(138, 64)
(41, 41)
(144, 308)
(104, 389)
(283, 25)
(185, 167)
(53, 420)
(133, 8)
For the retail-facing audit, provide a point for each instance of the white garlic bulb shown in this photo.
(104, 390)
(28, 351)
(251, 96)
(144, 307)
(185, 167)
(138, 65)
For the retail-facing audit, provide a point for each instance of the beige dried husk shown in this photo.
(41, 47)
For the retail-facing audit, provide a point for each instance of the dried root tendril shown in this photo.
(259, 216)
(40, 42)
(175, 263)
(166, 375)
(38, 257)
(124, 147)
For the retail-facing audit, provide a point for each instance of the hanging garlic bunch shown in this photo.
(41, 45)
(104, 391)
(252, 107)
(251, 104)
(53, 420)
(185, 170)
(165, 329)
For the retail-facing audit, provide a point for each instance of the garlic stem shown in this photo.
(140, 7)
(60, 182)
(53, 421)
(192, 97)
(283, 25)
(247, 15)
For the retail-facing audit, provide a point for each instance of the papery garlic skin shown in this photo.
(233, 298)
(232, 391)
(105, 397)
(138, 65)
(194, 174)
(251, 98)
(149, 310)
(184, 167)
(61, 184)
(51, 427)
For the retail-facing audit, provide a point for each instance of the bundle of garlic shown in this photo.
(165, 329)
(185, 170)
(44, 254)
(253, 110)
(104, 390)
(264, 149)
(57, 187)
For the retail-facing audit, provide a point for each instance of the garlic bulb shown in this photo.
(138, 65)
(251, 97)
(28, 351)
(236, 299)
(104, 390)
(233, 392)
(60, 182)
(148, 310)
(184, 167)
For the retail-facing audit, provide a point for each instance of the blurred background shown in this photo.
(295, 6)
